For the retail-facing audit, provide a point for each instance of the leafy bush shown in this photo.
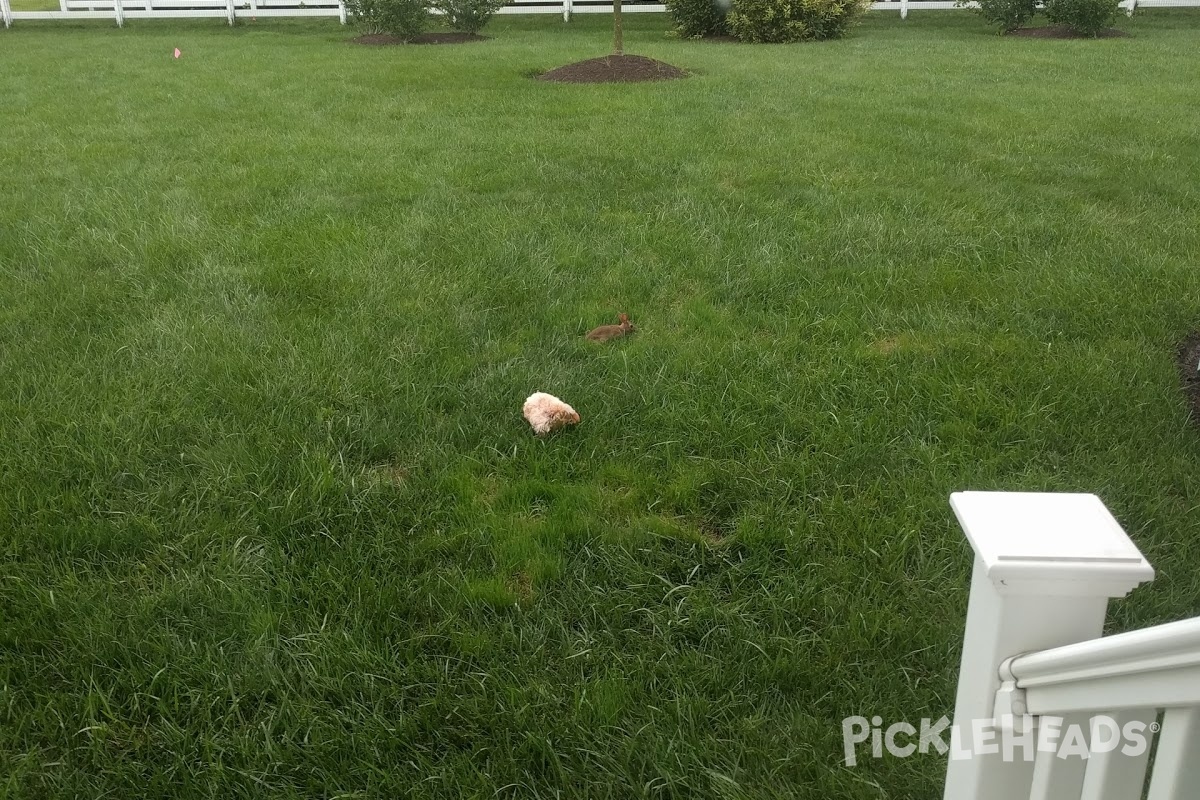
(696, 18)
(792, 20)
(468, 16)
(1088, 17)
(366, 15)
(407, 19)
(1007, 15)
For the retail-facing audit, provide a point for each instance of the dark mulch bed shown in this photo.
(425, 38)
(1063, 32)
(1189, 356)
(614, 69)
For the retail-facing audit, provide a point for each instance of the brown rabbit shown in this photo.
(606, 332)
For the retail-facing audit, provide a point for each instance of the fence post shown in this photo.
(119, 10)
(1045, 568)
(1132, 8)
(341, 11)
(229, 11)
(6, 13)
(903, 9)
(566, 10)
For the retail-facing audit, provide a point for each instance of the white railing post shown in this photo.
(229, 13)
(566, 10)
(6, 12)
(1177, 762)
(120, 12)
(1045, 568)
(903, 9)
(341, 11)
(1113, 774)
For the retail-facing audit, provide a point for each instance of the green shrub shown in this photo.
(1087, 17)
(697, 18)
(406, 19)
(366, 15)
(792, 20)
(468, 16)
(1007, 15)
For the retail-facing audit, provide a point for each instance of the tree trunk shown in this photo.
(618, 39)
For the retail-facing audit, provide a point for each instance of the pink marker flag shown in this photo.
(177, 53)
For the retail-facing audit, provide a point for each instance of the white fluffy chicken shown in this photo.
(546, 413)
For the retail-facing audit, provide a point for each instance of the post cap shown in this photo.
(1050, 543)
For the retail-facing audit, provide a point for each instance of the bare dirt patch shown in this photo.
(889, 345)
(899, 343)
(710, 532)
(1188, 359)
(522, 587)
(614, 69)
(388, 474)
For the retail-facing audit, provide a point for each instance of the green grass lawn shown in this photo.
(272, 523)
(33, 5)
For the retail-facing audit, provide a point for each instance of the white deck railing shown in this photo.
(230, 10)
(1035, 666)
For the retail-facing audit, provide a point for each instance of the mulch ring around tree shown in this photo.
(614, 69)
(1065, 32)
(452, 37)
(1189, 359)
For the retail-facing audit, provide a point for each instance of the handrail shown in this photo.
(1156, 667)
(1167, 646)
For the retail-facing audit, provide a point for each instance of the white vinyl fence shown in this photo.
(1035, 664)
(230, 10)
(121, 10)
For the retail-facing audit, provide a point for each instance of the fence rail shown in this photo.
(230, 10)
(1156, 667)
